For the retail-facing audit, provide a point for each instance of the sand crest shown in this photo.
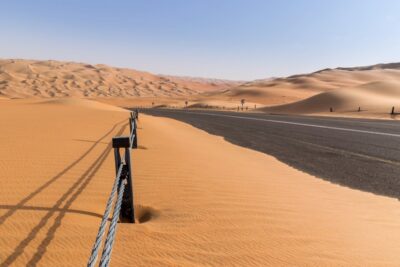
(204, 201)
(223, 205)
(375, 98)
(50, 78)
(372, 88)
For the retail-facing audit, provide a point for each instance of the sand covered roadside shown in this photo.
(213, 203)
(223, 205)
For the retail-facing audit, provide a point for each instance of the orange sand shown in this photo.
(199, 102)
(280, 91)
(56, 170)
(50, 78)
(374, 99)
(375, 89)
(210, 203)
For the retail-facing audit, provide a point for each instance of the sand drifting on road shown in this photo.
(203, 201)
(217, 204)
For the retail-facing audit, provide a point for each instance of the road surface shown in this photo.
(358, 153)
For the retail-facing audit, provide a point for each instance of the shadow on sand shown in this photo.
(68, 197)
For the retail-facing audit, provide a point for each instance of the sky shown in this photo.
(228, 39)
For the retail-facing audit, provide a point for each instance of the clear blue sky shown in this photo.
(233, 39)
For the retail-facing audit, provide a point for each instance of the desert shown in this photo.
(199, 133)
(361, 92)
(250, 210)
(57, 171)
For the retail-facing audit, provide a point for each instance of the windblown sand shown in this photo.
(278, 91)
(204, 201)
(375, 100)
(357, 93)
(49, 78)
(374, 89)
(56, 169)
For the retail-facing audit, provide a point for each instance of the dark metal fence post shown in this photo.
(117, 157)
(134, 127)
(127, 213)
(127, 206)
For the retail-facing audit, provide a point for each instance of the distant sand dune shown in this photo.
(294, 88)
(372, 88)
(374, 96)
(375, 89)
(32, 78)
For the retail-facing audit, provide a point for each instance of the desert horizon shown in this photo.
(369, 91)
(290, 159)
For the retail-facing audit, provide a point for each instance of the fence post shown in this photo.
(127, 213)
(127, 206)
(117, 158)
(135, 140)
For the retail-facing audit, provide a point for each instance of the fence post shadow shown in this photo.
(81, 184)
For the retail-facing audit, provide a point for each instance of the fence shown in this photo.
(121, 196)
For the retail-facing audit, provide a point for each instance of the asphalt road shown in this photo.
(358, 153)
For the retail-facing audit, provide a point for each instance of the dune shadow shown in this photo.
(90, 141)
(22, 202)
(68, 197)
(37, 208)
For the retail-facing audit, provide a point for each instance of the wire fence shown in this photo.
(121, 196)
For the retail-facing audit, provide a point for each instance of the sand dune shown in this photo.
(372, 88)
(32, 78)
(280, 91)
(374, 97)
(207, 202)
(375, 91)
(79, 102)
